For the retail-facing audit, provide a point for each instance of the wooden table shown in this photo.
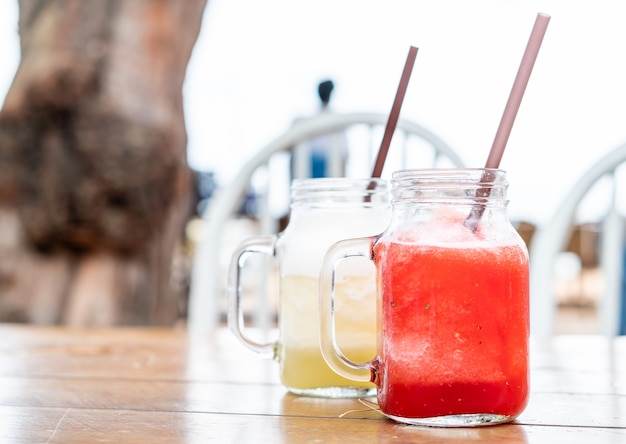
(60, 385)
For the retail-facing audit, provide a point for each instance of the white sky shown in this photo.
(257, 64)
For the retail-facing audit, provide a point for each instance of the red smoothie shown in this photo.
(454, 329)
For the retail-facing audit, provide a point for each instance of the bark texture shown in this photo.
(94, 186)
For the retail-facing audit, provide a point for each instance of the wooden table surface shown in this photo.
(60, 385)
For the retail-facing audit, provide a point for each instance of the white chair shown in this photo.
(551, 239)
(205, 290)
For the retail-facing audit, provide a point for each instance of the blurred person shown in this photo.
(324, 155)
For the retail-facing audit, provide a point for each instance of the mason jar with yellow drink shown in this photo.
(323, 211)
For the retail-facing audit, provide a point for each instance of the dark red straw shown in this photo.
(395, 113)
(510, 112)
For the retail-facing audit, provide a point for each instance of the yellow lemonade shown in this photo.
(302, 365)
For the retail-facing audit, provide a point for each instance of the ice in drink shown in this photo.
(302, 364)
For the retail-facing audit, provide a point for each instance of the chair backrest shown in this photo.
(551, 239)
(206, 276)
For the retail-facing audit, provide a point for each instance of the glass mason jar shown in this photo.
(323, 211)
(453, 302)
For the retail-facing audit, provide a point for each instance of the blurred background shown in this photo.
(257, 64)
(256, 67)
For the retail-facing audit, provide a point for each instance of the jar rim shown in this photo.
(448, 173)
(469, 186)
(337, 183)
(339, 191)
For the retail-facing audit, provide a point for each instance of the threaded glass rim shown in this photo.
(486, 186)
(330, 190)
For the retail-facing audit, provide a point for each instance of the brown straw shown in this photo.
(510, 112)
(395, 112)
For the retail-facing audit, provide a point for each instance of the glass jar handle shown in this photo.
(334, 357)
(254, 245)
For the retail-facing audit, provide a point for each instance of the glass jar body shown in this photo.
(453, 295)
(323, 212)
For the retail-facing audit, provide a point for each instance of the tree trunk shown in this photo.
(94, 186)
